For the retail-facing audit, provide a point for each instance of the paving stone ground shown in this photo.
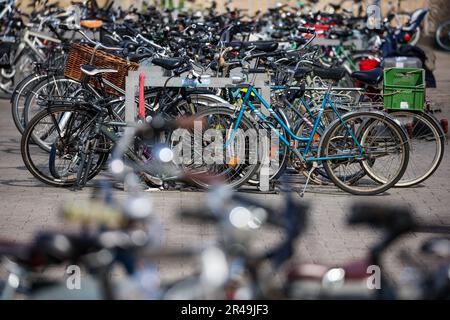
(27, 206)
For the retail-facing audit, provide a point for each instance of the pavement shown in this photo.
(28, 206)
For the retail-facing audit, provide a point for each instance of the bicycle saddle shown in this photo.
(92, 71)
(136, 57)
(329, 73)
(335, 6)
(341, 32)
(372, 77)
(91, 24)
(302, 72)
(280, 34)
(168, 63)
(264, 46)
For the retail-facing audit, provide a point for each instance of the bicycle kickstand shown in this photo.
(314, 167)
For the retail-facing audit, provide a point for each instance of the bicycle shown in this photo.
(354, 128)
(442, 35)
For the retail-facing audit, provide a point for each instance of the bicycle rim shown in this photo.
(426, 141)
(232, 170)
(385, 152)
(58, 163)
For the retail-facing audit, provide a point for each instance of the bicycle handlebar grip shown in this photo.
(306, 30)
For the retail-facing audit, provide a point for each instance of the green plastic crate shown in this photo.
(404, 88)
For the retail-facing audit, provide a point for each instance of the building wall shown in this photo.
(254, 5)
(439, 9)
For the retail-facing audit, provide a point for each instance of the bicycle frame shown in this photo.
(308, 140)
(30, 39)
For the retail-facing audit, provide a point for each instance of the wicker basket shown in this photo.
(82, 54)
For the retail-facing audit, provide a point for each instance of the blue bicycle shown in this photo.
(362, 152)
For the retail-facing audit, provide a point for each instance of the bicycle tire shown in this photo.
(21, 91)
(371, 116)
(239, 178)
(27, 140)
(438, 135)
(284, 152)
(39, 88)
(438, 35)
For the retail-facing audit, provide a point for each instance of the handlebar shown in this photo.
(156, 46)
(95, 43)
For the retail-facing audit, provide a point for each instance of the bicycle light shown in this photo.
(444, 124)
(407, 37)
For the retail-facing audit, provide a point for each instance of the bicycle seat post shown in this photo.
(330, 86)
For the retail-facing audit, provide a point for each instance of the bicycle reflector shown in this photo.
(407, 37)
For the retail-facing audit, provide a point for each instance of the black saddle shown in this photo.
(302, 72)
(168, 63)
(341, 32)
(371, 77)
(264, 46)
(329, 73)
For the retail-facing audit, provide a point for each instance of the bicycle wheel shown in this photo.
(276, 169)
(19, 96)
(371, 141)
(443, 36)
(61, 132)
(427, 143)
(56, 87)
(233, 170)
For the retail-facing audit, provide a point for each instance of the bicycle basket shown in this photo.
(82, 54)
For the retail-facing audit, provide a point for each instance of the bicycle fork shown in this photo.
(86, 159)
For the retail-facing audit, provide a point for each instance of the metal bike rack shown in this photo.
(154, 77)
